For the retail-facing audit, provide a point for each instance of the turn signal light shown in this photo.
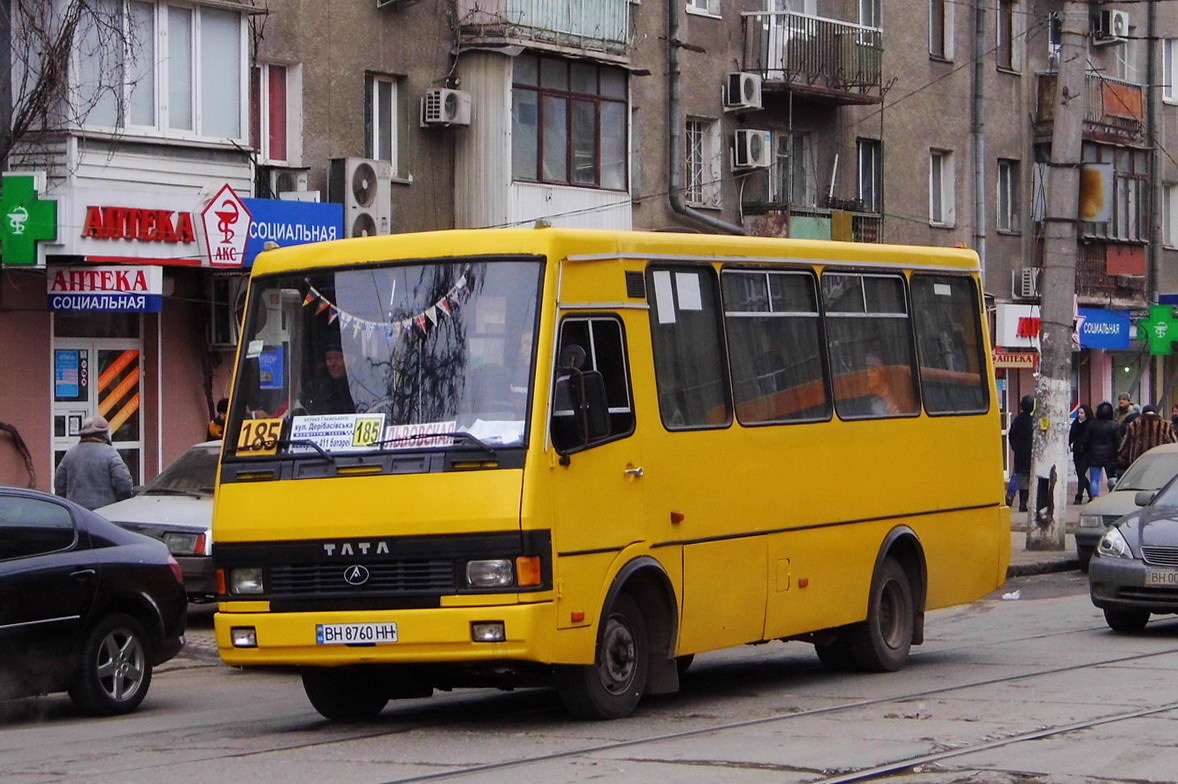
(527, 570)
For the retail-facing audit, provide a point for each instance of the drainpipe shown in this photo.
(675, 124)
(1153, 236)
(979, 137)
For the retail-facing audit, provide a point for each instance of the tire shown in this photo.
(611, 687)
(1085, 555)
(881, 643)
(344, 695)
(114, 669)
(836, 656)
(1126, 621)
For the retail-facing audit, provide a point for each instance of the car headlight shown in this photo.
(246, 580)
(180, 543)
(496, 573)
(1113, 545)
(1091, 521)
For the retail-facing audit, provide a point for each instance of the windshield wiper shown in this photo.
(171, 491)
(460, 434)
(286, 443)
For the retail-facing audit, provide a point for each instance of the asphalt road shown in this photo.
(1026, 689)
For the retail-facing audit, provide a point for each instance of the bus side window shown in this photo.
(592, 372)
(949, 341)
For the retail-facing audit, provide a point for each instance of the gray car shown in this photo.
(1151, 471)
(1134, 569)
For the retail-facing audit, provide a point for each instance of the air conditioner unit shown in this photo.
(365, 188)
(743, 91)
(1024, 283)
(284, 179)
(441, 106)
(752, 149)
(226, 305)
(1112, 27)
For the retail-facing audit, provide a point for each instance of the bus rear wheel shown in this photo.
(881, 643)
(611, 687)
(343, 695)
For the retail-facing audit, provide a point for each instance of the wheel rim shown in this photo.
(892, 611)
(619, 657)
(121, 665)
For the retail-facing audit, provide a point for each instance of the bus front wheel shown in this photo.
(881, 643)
(343, 695)
(611, 687)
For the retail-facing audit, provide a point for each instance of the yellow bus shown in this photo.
(578, 458)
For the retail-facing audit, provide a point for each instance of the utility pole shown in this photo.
(1053, 392)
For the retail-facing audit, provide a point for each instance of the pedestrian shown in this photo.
(1126, 409)
(1143, 434)
(216, 428)
(1174, 420)
(1021, 431)
(1100, 443)
(92, 474)
(1077, 443)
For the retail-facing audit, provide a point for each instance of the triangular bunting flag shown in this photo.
(432, 314)
(332, 317)
(307, 300)
(323, 305)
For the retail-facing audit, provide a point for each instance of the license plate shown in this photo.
(1168, 577)
(355, 633)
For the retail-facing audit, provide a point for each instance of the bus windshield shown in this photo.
(387, 357)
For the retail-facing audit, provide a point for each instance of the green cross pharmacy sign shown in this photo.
(1160, 330)
(25, 220)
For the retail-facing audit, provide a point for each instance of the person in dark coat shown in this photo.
(92, 473)
(1101, 441)
(332, 393)
(1022, 429)
(1076, 444)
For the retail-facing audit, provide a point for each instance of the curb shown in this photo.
(1043, 567)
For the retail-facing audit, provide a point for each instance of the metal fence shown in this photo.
(590, 24)
(826, 53)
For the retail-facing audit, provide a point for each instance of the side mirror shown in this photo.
(580, 412)
(1144, 497)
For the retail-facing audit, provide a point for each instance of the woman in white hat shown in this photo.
(92, 473)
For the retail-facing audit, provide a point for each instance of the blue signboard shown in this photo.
(291, 223)
(66, 383)
(1107, 329)
(106, 302)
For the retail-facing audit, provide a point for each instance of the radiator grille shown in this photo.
(389, 577)
(1160, 556)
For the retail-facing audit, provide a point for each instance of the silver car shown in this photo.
(177, 508)
(1134, 569)
(1152, 470)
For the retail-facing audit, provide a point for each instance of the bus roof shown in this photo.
(598, 244)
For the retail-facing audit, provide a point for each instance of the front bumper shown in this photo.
(1119, 583)
(434, 635)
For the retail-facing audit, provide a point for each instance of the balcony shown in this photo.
(600, 27)
(1115, 110)
(774, 219)
(828, 60)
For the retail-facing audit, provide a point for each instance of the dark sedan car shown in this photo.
(85, 606)
(1134, 569)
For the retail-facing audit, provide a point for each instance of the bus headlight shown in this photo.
(246, 580)
(496, 573)
(1113, 545)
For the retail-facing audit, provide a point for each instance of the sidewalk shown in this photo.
(1024, 561)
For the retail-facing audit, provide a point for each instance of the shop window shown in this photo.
(690, 369)
(949, 341)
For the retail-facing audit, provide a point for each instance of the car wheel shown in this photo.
(1085, 555)
(114, 672)
(611, 687)
(881, 643)
(1126, 620)
(343, 695)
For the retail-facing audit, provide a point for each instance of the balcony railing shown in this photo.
(865, 226)
(839, 61)
(1115, 110)
(595, 25)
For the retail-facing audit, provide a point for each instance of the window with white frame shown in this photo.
(1130, 188)
(1170, 70)
(1009, 216)
(1054, 38)
(1007, 55)
(791, 180)
(702, 161)
(941, 194)
(1126, 58)
(940, 29)
(709, 7)
(869, 154)
(381, 115)
(274, 112)
(180, 72)
(1169, 216)
(870, 13)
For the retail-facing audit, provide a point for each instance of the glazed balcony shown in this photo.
(1115, 111)
(573, 26)
(826, 59)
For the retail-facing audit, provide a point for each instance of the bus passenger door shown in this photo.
(597, 486)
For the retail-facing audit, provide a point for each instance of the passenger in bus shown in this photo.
(882, 402)
(331, 393)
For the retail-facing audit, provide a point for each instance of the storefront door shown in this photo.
(99, 377)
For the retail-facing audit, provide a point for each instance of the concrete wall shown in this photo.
(25, 377)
